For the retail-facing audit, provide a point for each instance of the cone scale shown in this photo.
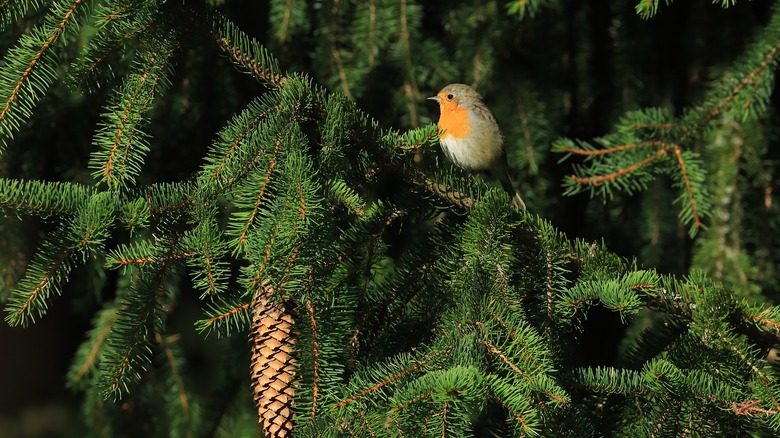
(272, 365)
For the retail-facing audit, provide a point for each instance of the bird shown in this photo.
(470, 136)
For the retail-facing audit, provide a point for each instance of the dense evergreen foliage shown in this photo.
(188, 175)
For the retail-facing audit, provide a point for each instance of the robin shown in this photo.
(471, 138)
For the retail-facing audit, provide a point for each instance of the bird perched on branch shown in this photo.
(471, 138)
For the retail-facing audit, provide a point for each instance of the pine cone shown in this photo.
(272, 365)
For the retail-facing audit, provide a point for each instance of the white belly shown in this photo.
(468, 153)
(460, 152)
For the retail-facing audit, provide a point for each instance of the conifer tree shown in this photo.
(275, 205)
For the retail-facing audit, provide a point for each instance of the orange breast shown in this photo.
(454, 120)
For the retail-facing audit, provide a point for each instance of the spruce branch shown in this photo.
(765, 319)
(91, 350)
(284, 27)
(122, 145)
(455, 389)
(619, 172)
(526, 8)
(12, 11)
(493, 349)
(415, 366)
(226, 316)
(43, 198)
(166, 199)
(145, 254)
(113, 13)
(335, 52)
(520, 336)
(647, 8)
(210, 268)
(618, 295)
(366, 275)
(672, 296)
(236, 140)
(316, 360)
(286, 7)
(29, 68)
(243, 229)
(753, 80)
(750, 408)
(765, 380)
(128, 352)
(517, 363)
(119, 261)
(524, 417)
(183, 413)
(121, 23)
(384, 312)
(412, 401)
(43, 277)
(652, 341)
(442, 191)
(611, 381)
(257, 278)
(246, 52)
(65, 247)
(345, 195)
(627, 162)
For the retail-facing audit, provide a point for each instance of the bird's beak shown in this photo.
(436, 98)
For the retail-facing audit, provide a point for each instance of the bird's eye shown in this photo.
(450, 96)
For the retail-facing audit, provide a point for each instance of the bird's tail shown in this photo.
(511, 190)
